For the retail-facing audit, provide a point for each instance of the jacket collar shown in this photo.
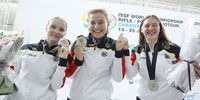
(145, 47)
(92, 41)
(44, 46)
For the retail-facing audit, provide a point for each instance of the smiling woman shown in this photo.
(32, 15)
(40, 66)
(151, 58)
(97, 62)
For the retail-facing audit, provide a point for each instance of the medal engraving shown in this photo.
(82, 40)
(153, 85)
(63, 42)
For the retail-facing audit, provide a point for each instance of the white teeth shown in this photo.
(97, 31)
(152, 32)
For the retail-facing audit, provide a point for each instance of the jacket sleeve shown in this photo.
(57, 80)
(118, 66)
(14, 69)
(179, 77)
(182, 75)
(132, 67)
(17, 63)
(13, 73)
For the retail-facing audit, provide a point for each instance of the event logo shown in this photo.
(85, 21)
(112, 19)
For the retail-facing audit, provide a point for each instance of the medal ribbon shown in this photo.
(189, 75)
(151, 67)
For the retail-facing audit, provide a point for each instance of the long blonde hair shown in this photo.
(59, 18)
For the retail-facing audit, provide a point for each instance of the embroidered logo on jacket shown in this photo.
(104, 53)
(167, 56)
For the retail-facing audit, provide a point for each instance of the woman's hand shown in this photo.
(196, 68)
(64, 51)
(78, 51)
(121, 43)
(126, 44)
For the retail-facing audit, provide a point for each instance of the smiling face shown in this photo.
(56, 29)
(98, 24)
(150, 29)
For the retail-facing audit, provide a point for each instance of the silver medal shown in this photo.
(82, 40)
(64, 41)
(153, 85)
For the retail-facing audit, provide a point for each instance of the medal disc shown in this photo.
(153, 85)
